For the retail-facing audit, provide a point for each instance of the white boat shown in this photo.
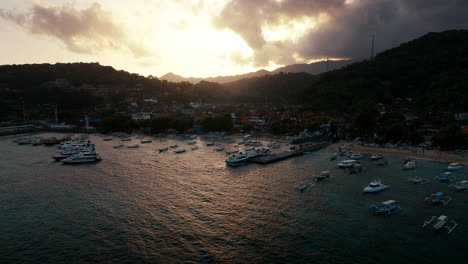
(82, 158)
(446, 176)
(356, 156)
(134, 146)
(375, 186)
(323, 175)
(179, 151)
(376, 157)
(118, 146)
(386, 208)
(460, 186)
(454, 166)
(410, 164)
(237, 158)
(441, 222)
(347, 163)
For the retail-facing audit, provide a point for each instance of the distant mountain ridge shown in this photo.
(312, 68)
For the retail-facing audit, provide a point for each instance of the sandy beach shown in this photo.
(433, 155)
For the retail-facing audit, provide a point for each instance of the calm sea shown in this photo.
(142, 206)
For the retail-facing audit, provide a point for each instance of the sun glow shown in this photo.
(288, 30)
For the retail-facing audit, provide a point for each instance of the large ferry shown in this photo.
(82, 157)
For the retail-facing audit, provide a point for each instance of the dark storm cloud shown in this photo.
(83, 31)
(349, 29)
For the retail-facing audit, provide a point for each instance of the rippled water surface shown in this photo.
(142, 206)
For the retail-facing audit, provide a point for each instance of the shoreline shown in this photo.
(431, 155)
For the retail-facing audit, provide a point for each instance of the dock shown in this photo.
(288, 154)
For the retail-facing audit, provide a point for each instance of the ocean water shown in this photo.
(142, 206)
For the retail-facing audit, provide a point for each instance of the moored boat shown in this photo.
(375, 186)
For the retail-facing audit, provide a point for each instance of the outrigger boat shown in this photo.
(438, 198)
(460, 186)
(454, 166)
(324, 175)
(417, 180)
(386, 208)
(446, 176)
(442, 222)
(304, 187)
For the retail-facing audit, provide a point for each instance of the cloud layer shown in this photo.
(345, 30)
(89, 30)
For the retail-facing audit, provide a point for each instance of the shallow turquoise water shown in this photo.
(142, 206)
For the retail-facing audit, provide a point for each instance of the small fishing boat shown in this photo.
(410, 164)
(221, 148)
(386, 208)
(144, 141)
(250, 149)
(163, 149)
(118, 146)
(460, 186)
(382, 163)
(417, 180)
(133, 146)
(323, 176)
(232, 151)
(195, 148)
(107, 139)
(375, 186)
(356, 168)
(454, 166)
(174, 146)
(210, 144)
(441, 222)
(438, 198)
(126, 139)
(304, 187)
(192, 143)
(445, 177)
(356, 156)
(376, 157)
(179, 151)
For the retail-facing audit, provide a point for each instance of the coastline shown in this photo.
(431, 155)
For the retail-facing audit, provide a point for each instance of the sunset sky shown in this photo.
(204, 38)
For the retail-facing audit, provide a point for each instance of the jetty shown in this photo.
(289, 154)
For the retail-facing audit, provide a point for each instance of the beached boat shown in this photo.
(118, 146)
(195, 148)
(163, 149)
(376, 157)
(179, 151)
(386, 208)
(107, 139)
(174, 146)
(441, 222)
(210, 144)
(375, 186)
(133, 146)
(221, 148)
(126, 139)
(460, 186)
(144, 141)
(347, 163)
(274, 145)
(192, 143)
(231, 151)
(454, 166)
